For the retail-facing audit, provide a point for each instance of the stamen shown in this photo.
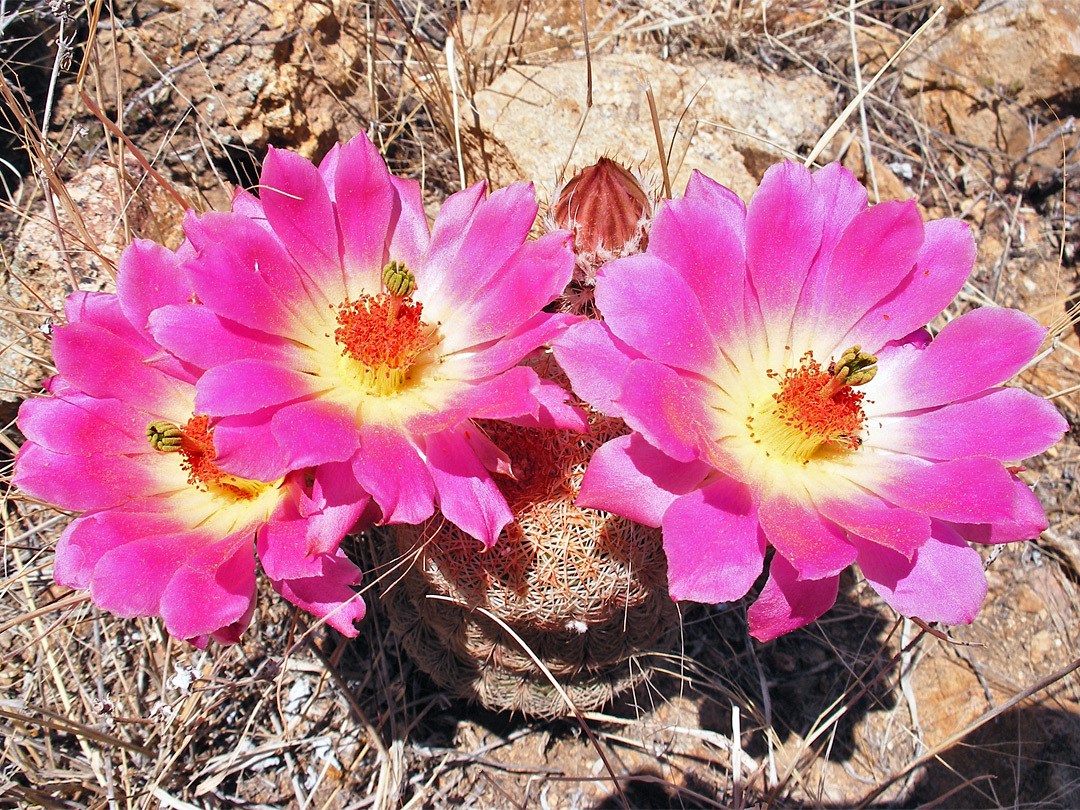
(195, 444)
(855, 367)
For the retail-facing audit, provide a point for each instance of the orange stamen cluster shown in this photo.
(810, 410)
(194, 443)
(384, 334)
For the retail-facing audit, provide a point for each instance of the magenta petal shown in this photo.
(944, 582)
(506, 395)
(337, 503)
(467, 496)
(965, 490)
(245, 386)
(244, 274)
(714, 547)
(465, 256)
(787, 603)
(1026, 521)
(630, 477)
(103, 365)
(596, 362)
(79, 482)
(197, 335)
(541, 328)
(410, 232)
(103, 310)
(875, 254)
(489, 453)
(298, 208)
(707, 251)
(943, 265)
(314, 432)
(129, 580)
(978, 350)
(784, 225)
(391, 469)
(89, 537)
(529, 280)
(365, 200)
(665, 409)
(724, 202)
(213, 588)
(627, 288)
(246, 447)
(83, 426)
(866, 515)
(149, 277)
(816, 546)
(1004, 423)
(327, 595)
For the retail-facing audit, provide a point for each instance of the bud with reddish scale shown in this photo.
(608, 209)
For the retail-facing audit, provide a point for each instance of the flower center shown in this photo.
(814, 407)
(383, 334)
(194, 443)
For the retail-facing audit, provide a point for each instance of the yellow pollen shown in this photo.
(812, 409)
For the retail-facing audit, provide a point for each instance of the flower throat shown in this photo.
(194, 442)
(384, 334)
(814, 407)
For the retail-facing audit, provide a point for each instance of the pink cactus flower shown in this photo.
(782, 390)
(336, 328)
(165, 532)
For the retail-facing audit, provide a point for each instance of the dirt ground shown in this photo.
(860, 709)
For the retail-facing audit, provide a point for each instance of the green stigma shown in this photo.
(855, 367)
(399, 280)
(164, 436)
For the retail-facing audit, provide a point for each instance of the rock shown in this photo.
(997, 77)
(535, 112)
(37, 281)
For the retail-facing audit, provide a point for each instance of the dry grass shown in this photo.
(859, 709)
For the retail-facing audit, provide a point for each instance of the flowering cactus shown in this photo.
(336, 329)
(773, 364)
(166, 532)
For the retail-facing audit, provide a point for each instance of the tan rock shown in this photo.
(729, 121)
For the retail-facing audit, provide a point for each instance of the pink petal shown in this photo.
(675, 331)
(103, 310)
(707, 251)
(102, 365)
(529, 280)
(465, 256)
(508, 394)
(246, 447)
(665, 408)
(337, 504)
(89, 537)
(1026, 521)
(944, 581)
(875, 254)
(844, 199)
(541, 328)
(79, 482)
(816, 546)
(83, 426)
(213, 588)
(724, 202)
(978, 350)
(943, 265)
(328, 595)
(244, 274)
(630, 477)
(315, 432)
(197, 335)
(784, 225)
(493, 458)
(596, 362)
(866, 515)
(467, 496)
(411, 234)
(298, 208)
(366, 202)
(129, 580)
(149, 277)
(714, 547)
(966, 490)
(1004, 423)
(391, 469)
(245, 386)
(787, 603)
(554, 410)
